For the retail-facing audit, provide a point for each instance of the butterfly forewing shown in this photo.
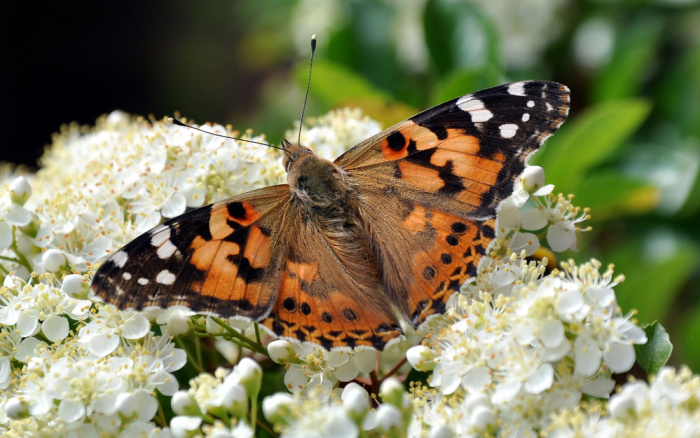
(443, 173)
(223, 259)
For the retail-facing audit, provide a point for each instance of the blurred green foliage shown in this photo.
(631, 147)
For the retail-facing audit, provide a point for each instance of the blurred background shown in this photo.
(630, 150)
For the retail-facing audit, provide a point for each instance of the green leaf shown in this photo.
(678, 93)
(690, 331)
(634, 53)
(458, 35)
(656, 266)
(612, 195)
(590, 139)
(334, 84)
(655, 353)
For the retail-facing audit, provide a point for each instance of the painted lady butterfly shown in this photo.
(392, 227)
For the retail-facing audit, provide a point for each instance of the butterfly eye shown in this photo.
(288, 164)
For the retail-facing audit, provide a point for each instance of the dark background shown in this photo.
(74, 61)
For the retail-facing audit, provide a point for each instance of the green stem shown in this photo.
(267, 428)
(10, 259)
(395, 369)
(257, 333)
(22, 259)
(198, 352)
(258, 348)
(254, 412)
(161, 416)
(191, 359)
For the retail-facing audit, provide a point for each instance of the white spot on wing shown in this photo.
(549, 107)
(508, 130)
(165, 277)
(166, 250)
(159, 235)
(126, 276)
(142, 281)
(526, 117)
(517, 89)
(119, 258)
(475, 108)
(530, 103)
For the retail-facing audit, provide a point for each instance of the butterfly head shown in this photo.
(292, 153)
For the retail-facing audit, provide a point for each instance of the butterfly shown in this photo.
(390, 229)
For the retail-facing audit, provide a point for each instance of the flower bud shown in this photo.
(20, 190)
(356, 401)
(392, 391)
(421, 358)
(53, 260)
(250, 375)
(183, 404)
(281, 352)
(234, 399)
(16, 408)
(75, 286)
(277, 407)
(184, 426)
(533, 181)
(389, 418)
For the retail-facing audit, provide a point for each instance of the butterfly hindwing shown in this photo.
(327, 295)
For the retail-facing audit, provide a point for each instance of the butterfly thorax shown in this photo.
(320, 186)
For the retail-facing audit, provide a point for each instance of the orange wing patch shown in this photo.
(306, 309)
(227, 217)
(448, 260)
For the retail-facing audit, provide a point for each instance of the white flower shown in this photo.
(562, 217)
(277, 407)
(318, 369)
(102, 335)
(176, 320)
(153, 364)
(183, 426)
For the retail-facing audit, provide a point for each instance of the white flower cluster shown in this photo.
(344, 413)
(224, 397)
(67, 364)
(102, 187)
(668, 406)
(522, 346)
(312, 368)
(65, 388)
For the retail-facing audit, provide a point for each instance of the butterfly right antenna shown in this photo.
(308, 84)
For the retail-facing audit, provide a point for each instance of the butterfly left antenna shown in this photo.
(308, 84)
(179, 123)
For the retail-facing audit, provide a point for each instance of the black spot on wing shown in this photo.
(396, 141)
(236, 210)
